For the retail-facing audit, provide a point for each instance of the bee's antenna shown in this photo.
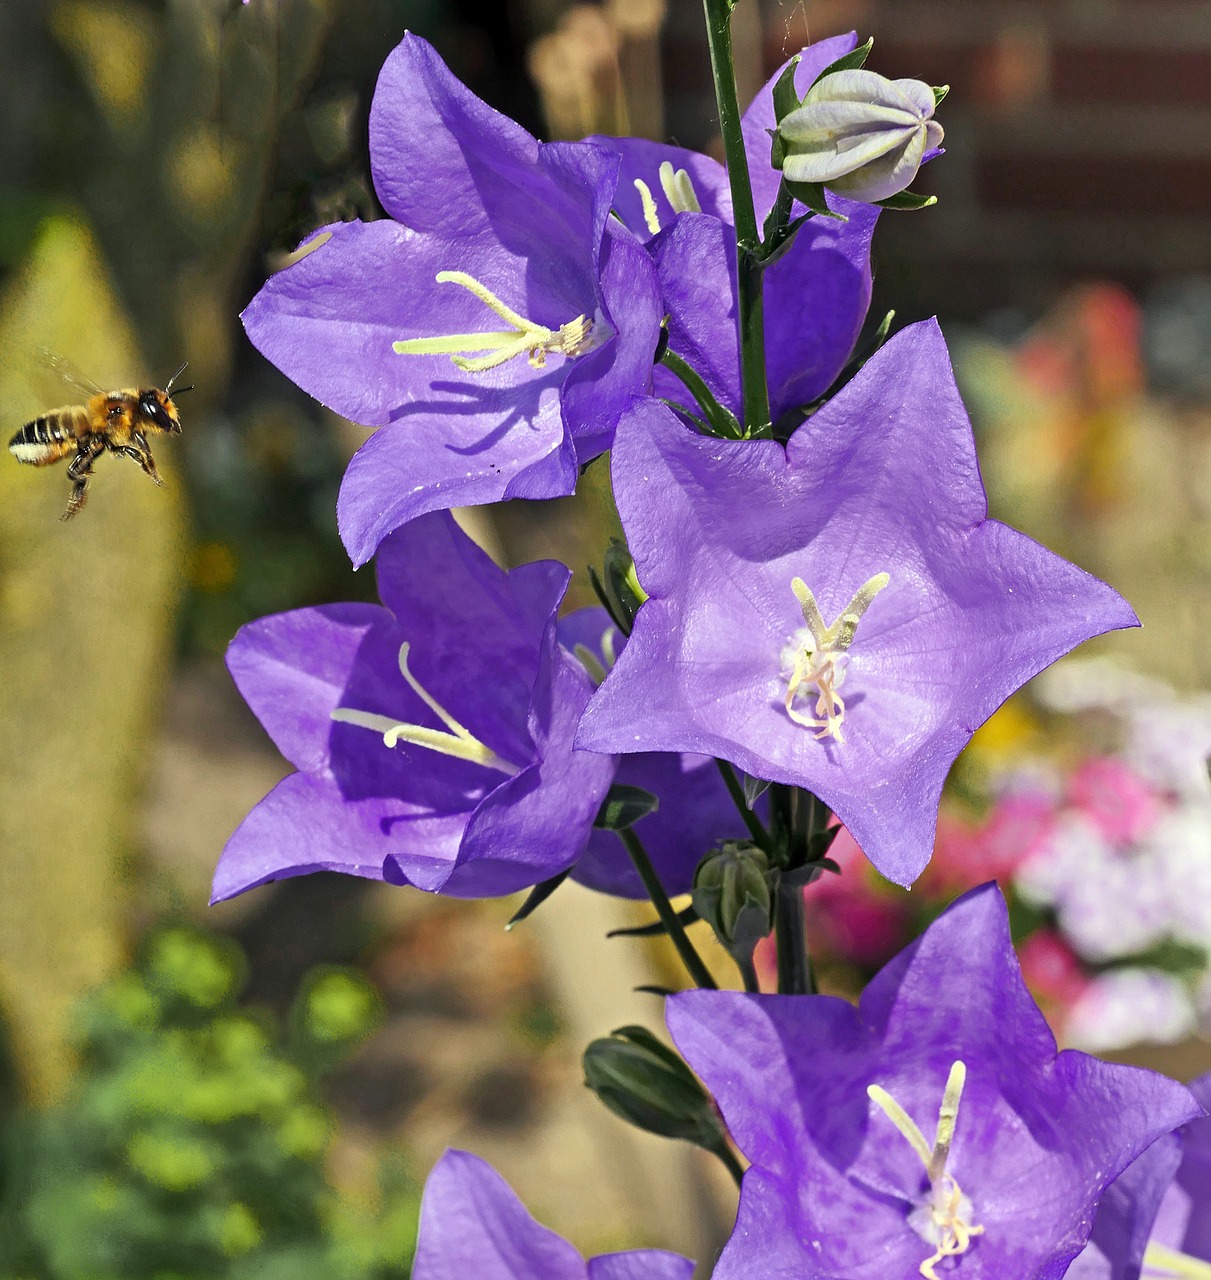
(180, 391)
(175, 376)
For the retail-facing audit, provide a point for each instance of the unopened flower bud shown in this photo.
(733, 893)
(646, 1083)
(860, 134)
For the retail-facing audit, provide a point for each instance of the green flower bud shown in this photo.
(733, 892)
(644, 1081)
(859, 134)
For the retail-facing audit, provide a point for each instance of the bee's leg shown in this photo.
(79, 471)
(140, 452)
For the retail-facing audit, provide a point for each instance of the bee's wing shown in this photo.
(59, 373)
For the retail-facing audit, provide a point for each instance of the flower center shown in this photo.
(1160, 1261)
(523, 337)
(818, 655)
(678, 191)
(455, 740)
(944, 1219)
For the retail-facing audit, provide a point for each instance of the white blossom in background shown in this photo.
(1130, 1006)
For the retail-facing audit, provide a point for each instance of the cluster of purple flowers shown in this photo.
(818, 601)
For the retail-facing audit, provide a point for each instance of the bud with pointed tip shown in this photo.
(860, 134)
(733, 893)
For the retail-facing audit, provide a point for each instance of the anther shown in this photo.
(820, 657)
(455, 740)
(650, 215)
(679, 189)
(524, 337)
(944, 1221)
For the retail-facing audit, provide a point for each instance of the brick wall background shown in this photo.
(1079, 136)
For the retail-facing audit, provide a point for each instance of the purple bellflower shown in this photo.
(493, 327)
(858, 557)
(432, 736)
(931, 1131)
(472, 1224)
(1155, 1220)
(816, 294)
(696, 812)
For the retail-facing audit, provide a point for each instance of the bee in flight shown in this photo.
(114, 421)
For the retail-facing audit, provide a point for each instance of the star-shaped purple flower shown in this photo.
(840, 614)
(696, 812)
(1155, 1219)
(432, 736)
(931, 1131)
(493, 327)
(816, 295)
(472, 1224)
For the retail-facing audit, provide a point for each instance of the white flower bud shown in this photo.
(860, 134)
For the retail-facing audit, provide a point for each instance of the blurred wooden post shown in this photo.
(86, 617)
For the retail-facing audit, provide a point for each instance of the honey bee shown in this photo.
(114, 421)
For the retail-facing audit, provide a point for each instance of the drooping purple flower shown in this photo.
(932, 1131)
(816, 295)
(696, 812)
(1155, 1220)
(432, 736)
(838, 614)
(472, 1224)
(492, 327)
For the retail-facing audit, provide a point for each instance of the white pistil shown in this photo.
(820, 656)
(455, 740)
(945, 1220)
(525, 337)
(1161, 1262)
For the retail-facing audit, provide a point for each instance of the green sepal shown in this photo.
(782, 239)
(686, 917)
(811, 194)
(786, 99)
(754, 789)
(853, 61)
(907, 201)
(939, 92)
(624, 806)
(617, 586)
(536, 897)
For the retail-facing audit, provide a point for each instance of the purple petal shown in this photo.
(641, 1264)
(472, 1224)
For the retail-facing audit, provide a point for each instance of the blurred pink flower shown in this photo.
(1114, 798)
(1054, 974)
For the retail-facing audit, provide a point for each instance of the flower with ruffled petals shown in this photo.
(838, 614)
(932, 1131)
(492, 328)
(472, 1224)
(432, 736)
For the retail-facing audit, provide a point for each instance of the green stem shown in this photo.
(761, 837)
(751, 320)
(722, 421)
(664, 909)
(795, 976)
(748, 971)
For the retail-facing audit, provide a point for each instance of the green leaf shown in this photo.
(536, 897)
(624, 806)
(785, 97)
(854, 61)
(812, 195)
(687, 916)
(907, 201)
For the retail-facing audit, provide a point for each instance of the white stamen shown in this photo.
(650, 214)
(679, 189)
(525, 336)
(1160, 1261)
(456, 740)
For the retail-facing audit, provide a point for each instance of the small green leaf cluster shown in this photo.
(193, 1143)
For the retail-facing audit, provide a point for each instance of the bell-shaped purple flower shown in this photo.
(493, 327)
(695, 813)
(1155, 1220)
(816, 294)
(472, 1224)
(838, 614)
(932, 1131)
(432, 736)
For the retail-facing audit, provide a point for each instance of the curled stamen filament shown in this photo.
(524, 337)
(951, 1233)
(456, 740)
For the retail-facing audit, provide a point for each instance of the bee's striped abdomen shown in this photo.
(45, 439)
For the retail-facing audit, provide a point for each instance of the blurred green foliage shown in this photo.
(194, 1142)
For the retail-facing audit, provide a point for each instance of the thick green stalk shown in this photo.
(748, 241)
(664, 909)
(795, 976)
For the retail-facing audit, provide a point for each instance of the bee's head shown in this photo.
(158, 408)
